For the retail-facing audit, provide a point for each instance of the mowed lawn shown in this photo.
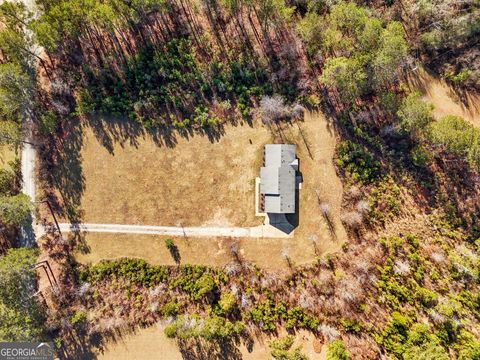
(196, 182)
(199, 182)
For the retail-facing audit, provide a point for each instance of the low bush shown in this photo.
(357, 162)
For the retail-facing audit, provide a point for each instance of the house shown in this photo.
(278, 179)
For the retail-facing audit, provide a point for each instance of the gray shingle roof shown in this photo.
(277, 178)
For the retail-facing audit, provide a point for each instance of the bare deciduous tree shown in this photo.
(273, 108)
(352, 219)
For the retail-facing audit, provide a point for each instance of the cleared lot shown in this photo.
(229, 202)
(196, 182)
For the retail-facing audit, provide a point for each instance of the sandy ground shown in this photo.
(320, 180)
(152, 344)
(444, 98)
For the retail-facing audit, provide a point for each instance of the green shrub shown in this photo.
(135, 270)
(457, 136)
(357, 162)
(48, 123)
(336, 351)
(354, 326)
(227, 303)
(415, 114)
(169, 244)
(170, 309)
(78, 317)
(421, 157)
(210, 328)
(281, 349)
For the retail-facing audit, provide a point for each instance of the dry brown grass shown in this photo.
(444, 97)
(196, 182)
(232, 164)
(151, 343)
(6, 154)
(266, 252)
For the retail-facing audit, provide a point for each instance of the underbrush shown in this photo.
(405, 293)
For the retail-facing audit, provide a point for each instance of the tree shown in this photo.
(21, 318)
(14, 86)
(336, 351)
(15, 210)
(346, 76)
(227, 302)
(457, 136)
(311, 28)
(281, 349)
(426, 351)
(470, 346)
(273, 108)
(415, 114)
(391, 54)
(422, 345)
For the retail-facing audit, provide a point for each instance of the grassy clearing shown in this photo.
(320, 182)
(152, 342)
(196, 182)
(445, 99)
(266, 253)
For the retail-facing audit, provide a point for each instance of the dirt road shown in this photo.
(199, 231)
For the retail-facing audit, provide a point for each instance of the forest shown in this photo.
(184, 67)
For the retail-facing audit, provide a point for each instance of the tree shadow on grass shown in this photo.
(61, 170)
(221, 349)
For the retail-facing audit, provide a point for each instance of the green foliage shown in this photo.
(371, 54)
(336, 351)
(422, 345)
(197, 281)
(170, 79)
(78, 318)
(209, 328)
(21, 317)
(457, 136)
(385, 201)
(469, 348)
(227, 303)
(281, 349)
(135, 270)
(169, 244)
(48, 122)
(357, 161)
(15, 84)
(310, 28)
(346, 75)
(170, 309)
(268, 314)
(389, 101)
(415, 114)
(461, 78)
(395, 334)
(10, 179)
(15, 210)
(349, 325)
(421, 157)
(391, 53)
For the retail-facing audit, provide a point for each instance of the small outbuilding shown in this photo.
(278, 179)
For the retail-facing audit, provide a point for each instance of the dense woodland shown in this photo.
(406, 285)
